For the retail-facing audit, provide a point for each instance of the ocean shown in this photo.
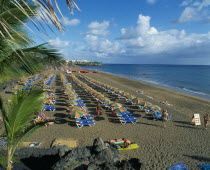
(190, 79)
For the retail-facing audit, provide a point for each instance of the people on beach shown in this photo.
(165, 117)
(126, 142)
(98, 109)
(206, 120)
(166, 103)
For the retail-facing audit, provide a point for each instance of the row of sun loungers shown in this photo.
(84, 120)
(148, 107)
(124, 117)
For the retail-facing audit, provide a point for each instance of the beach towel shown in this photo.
(178, 166)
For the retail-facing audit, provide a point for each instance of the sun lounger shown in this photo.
(127, 117)
(147, 110)
(124, 121)
(126, 113)
(84, 120)
(80, 124)
(50, 108)
(88, 116)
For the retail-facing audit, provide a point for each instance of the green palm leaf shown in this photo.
(18, 114)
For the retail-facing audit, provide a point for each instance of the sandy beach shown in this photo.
(159, 148)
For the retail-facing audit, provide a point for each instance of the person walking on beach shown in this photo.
(206, 120)
(164, 117)
(98, 109)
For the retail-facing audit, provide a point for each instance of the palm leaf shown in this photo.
(19, 112)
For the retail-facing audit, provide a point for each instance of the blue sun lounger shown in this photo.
(84, 120)
(88, 116)
(204, 166)
(126, 113)
(178, 166)
(80, 124)
(127, 117)
(50, 108)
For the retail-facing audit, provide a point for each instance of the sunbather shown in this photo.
(166, 103)
(126, 143)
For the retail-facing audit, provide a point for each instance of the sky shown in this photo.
(135, 32)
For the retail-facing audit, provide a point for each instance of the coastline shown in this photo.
(174, 88)
(159, 147)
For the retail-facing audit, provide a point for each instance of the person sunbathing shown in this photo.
(166, 103)
(42, 115)
(115, 140)
(126, 144)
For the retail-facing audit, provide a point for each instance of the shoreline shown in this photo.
(177, 89)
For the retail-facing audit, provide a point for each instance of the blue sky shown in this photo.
(135, 32)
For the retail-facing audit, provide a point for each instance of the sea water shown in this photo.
(190, 79)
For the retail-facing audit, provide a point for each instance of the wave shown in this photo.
(192, 91)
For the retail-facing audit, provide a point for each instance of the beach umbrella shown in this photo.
(155, 107)
(137, 100)
(116, 105)
(105, 100)
(71, 102)
(73, 98)
(125, 94)
(130, 97)
(119, 110)
(99, 96)
(73, 108)
(76, 113)
(148, 104)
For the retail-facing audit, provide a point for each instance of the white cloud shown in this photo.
(97, 28)
(194, 11)
(147, 40)
(72, 22)
(144, 43)
(151, 1)
(186, 2)
(189, 14)
(58, 43)
(101, 45)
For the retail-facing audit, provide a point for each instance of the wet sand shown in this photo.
(179, 142)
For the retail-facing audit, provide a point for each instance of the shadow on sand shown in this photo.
(200, 158)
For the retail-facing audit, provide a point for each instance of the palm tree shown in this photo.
(47, 8)
(17, 58)
(17, 116)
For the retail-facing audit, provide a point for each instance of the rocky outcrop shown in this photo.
(98, 157)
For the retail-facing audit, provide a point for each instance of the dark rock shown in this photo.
(99, 145)
(109, 155)
(92, 166)
(63, 150)
(73, 159)
(97, 157)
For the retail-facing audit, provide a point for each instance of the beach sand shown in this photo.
(159, 148)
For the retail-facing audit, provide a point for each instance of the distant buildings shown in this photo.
(83, 63)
